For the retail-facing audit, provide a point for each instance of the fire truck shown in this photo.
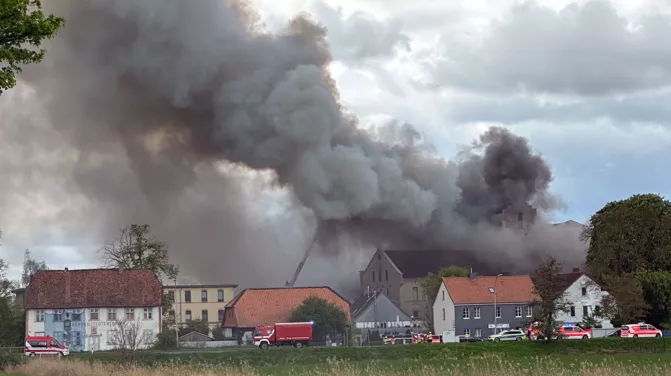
(297, 334)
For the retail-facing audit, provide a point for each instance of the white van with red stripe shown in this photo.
(574, 331)
(44, 345)
(640, 330)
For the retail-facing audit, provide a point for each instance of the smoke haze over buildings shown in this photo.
(161, 111)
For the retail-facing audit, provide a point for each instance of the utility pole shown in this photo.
(495, 315)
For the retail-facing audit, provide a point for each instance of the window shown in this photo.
(379, 275)
(187, 296)
(111, 337)
(585, 311)
(221, 316)
(94, 314)
(130, 313)
(467, 332)
(379, 256)
(220, 296)
(76, 317)
(203, 296)
(415, 293)
(147, 314)
(39, 315)
(476, 312)
(204, 315)
(498, 312)
(478, 333)
(373, 275)
(58, 315)
(415, 314)
(111, 314)
(518, 311)
(530, 311)
(171, 314)
(572, 311)
(171, 295)
(466, 313)
(386, 275)
(387, 291)
(188, 315)
(584, 291)
(78, 338)
(443, 314)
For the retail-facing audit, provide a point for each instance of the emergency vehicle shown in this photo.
(297, 334)
(641, 330)
(571, 330)
(44, 345)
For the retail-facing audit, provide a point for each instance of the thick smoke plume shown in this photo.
(156, 94)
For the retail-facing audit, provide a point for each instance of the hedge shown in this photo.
(317, 355)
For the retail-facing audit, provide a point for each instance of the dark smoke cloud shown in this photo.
(152, 96)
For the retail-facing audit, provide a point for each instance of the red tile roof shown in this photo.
(509, 289)
(253, 307)
(91, 288)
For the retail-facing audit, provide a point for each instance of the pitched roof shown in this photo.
(365, 300)
(418, 263)
(93, 288)
(509, 289)
(569, 278)
(253, 307)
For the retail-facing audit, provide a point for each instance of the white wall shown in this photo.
(103, 325)
(443, 302)
(593, 297)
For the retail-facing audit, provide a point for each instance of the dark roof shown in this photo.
(365, 300)
(253, 307)
(93, 288)
(570, 278)
(418, 263)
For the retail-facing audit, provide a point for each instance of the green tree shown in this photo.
(137, 249)
(22, 23)
(12, 328)
(431, 285)
(628, 255)
(549, 286)
(199, 325)
(166, 339)
(328, 318)
(30, 267)
(627, 235)
(625, 302)
(656, 288)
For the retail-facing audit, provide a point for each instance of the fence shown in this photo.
(208, 344)
(603, 333)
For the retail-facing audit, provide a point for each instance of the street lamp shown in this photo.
(492, 290)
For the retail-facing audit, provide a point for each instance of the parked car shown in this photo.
(44, 345)
(574, 332)
(641, 330)
(509, 335)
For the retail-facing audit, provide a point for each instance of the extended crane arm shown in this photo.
(291, 283)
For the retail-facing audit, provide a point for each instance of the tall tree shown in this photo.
(629, 253)
(23, 27)
(431, 285)
(137, 249)
(30, 267)
(328, 318)
(549, 286)
(630, 234)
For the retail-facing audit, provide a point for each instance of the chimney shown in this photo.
(120, 269)
(471, 276)
(66, 269)
(576, 270)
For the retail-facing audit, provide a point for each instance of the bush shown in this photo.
(8, 360)
(166, 340)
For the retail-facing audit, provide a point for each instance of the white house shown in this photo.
(584, 295)
(95, 309)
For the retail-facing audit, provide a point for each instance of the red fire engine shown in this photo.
(297, 334)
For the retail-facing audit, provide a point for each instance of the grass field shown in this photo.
(612, 357)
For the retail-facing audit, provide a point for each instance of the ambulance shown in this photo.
(640, 330)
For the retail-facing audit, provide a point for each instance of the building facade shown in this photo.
(466, 305)
(399, 274)
(95, 309)
(585, 297)
(199, 302)
(255, 307)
